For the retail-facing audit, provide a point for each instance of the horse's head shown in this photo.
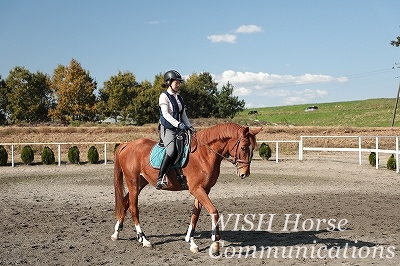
(241, 150)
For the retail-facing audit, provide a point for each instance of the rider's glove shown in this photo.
(182, 126)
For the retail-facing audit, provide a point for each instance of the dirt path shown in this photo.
(55, 215)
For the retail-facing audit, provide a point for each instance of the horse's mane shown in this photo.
(219, 132)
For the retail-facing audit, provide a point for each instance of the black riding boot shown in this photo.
(166, 163)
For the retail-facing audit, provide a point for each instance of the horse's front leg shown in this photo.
(203, 200)
(192, 226)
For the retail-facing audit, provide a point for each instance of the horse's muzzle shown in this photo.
(243, 172)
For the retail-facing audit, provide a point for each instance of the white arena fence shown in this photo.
(358, 148)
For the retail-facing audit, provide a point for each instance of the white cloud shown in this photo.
(248, 29)
(305, 96)
(229, 38)
(242, 91)
(261, 79)
(257, 88)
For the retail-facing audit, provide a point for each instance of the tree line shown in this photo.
(71, 94)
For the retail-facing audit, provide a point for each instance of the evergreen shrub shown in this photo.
(372, 159)
(265, 151)
(27, 155)
(48, 156)
(93, 155)
(3, 156)
(391, 163)
(73, 155)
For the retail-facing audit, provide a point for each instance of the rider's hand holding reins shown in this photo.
(183, 127)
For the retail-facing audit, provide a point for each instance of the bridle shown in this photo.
(235, 160)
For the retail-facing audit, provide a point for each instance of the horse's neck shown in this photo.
(214, 148)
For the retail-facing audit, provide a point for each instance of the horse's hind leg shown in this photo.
(134, 190)
(120, 222)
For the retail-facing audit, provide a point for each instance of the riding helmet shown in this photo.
(172, 75)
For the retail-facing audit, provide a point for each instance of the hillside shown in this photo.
(363, 113)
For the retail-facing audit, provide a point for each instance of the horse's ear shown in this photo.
(255, 131)
(245, 131)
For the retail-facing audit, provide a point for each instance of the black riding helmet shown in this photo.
(171, 75)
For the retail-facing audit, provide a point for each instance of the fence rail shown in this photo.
(301, 147)
(359, 149)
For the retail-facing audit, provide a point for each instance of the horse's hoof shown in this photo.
(147, 244)
(114, 237)
(194, 249)
(215, 248)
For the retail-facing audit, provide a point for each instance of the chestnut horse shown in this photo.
(208, 148)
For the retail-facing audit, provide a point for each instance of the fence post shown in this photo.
(12, 155)
(105, 153)
(397, 154)
(359, 150)
(301, 148)
(377, 153)
(277, 151)
(59, 154)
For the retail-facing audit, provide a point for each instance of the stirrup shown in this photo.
(162, 183)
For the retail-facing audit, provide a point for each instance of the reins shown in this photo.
(235, 161)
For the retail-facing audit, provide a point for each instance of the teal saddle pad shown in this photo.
(158, 152)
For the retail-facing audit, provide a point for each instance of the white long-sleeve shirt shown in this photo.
(167, 110)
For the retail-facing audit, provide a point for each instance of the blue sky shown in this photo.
(273, 52)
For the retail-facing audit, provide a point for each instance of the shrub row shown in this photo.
(390, 164)
(28, 156)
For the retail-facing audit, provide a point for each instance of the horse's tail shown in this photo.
(118, 186)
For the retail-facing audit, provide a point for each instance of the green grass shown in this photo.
(363, 113)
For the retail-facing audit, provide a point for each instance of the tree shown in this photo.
(29, 96)
(396, 43)
(43, 95)
(144, 108)
(199, 92)
(227, 104)
(117, 94)
(3, 101)
(75, 93)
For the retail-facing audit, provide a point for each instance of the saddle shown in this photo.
(182, 146)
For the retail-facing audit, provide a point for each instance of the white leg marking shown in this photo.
(188, 234)
(114, 236)
(190, 239)
(142, 237)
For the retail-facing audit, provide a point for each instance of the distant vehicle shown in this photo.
(311, 108)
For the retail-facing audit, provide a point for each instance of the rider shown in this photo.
(173, 119)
